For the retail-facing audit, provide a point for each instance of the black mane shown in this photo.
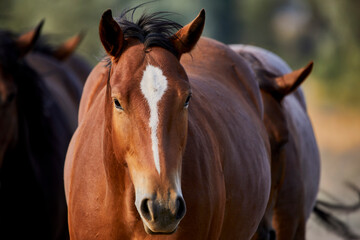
(150, 29)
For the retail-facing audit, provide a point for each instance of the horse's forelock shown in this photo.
(151, 29)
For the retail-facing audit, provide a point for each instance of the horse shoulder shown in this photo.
(232, 156)
(84, 175)
(233, 162)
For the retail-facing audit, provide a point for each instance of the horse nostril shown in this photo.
(144, 209)
(272, 235)
(181, 209)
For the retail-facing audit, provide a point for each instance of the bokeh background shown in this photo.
(327, 32)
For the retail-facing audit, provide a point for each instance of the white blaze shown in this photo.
(153, 86)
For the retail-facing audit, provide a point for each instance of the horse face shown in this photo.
(8, 113)
(150, 94)
(150, 101)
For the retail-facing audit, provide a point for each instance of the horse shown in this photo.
(35, 133)
(169, 145)
(295, 160)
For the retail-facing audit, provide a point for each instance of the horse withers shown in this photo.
(169, 145)
(295, 160)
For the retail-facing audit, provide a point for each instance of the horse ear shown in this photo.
(111, 35)
(27, 41)
(290, 82)
(66, 49)
(187, 37)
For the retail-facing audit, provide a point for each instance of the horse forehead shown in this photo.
(148, 71)
(153, 84)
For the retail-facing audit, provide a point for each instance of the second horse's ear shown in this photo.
(66, 49)
(280, 86)
(290, 82)
(111, 35)
(187, 37)
(26, 41)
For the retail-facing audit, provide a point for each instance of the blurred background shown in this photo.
(327, 32)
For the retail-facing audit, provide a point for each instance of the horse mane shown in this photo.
(153, 29)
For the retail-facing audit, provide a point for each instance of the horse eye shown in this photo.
(117, 104)
(187, 101)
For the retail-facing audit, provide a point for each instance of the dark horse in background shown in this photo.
(63, 71)
(34, 135)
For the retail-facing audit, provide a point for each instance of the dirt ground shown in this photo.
(337, 130)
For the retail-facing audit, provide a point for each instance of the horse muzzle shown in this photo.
(161, 216)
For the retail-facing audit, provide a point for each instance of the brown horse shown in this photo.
(295, 161)
(34, 135)
(145, 160)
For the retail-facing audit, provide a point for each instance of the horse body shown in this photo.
(213, 155)
(295, 155)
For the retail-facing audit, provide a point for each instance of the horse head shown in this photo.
(146, 108)
(12, 52)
